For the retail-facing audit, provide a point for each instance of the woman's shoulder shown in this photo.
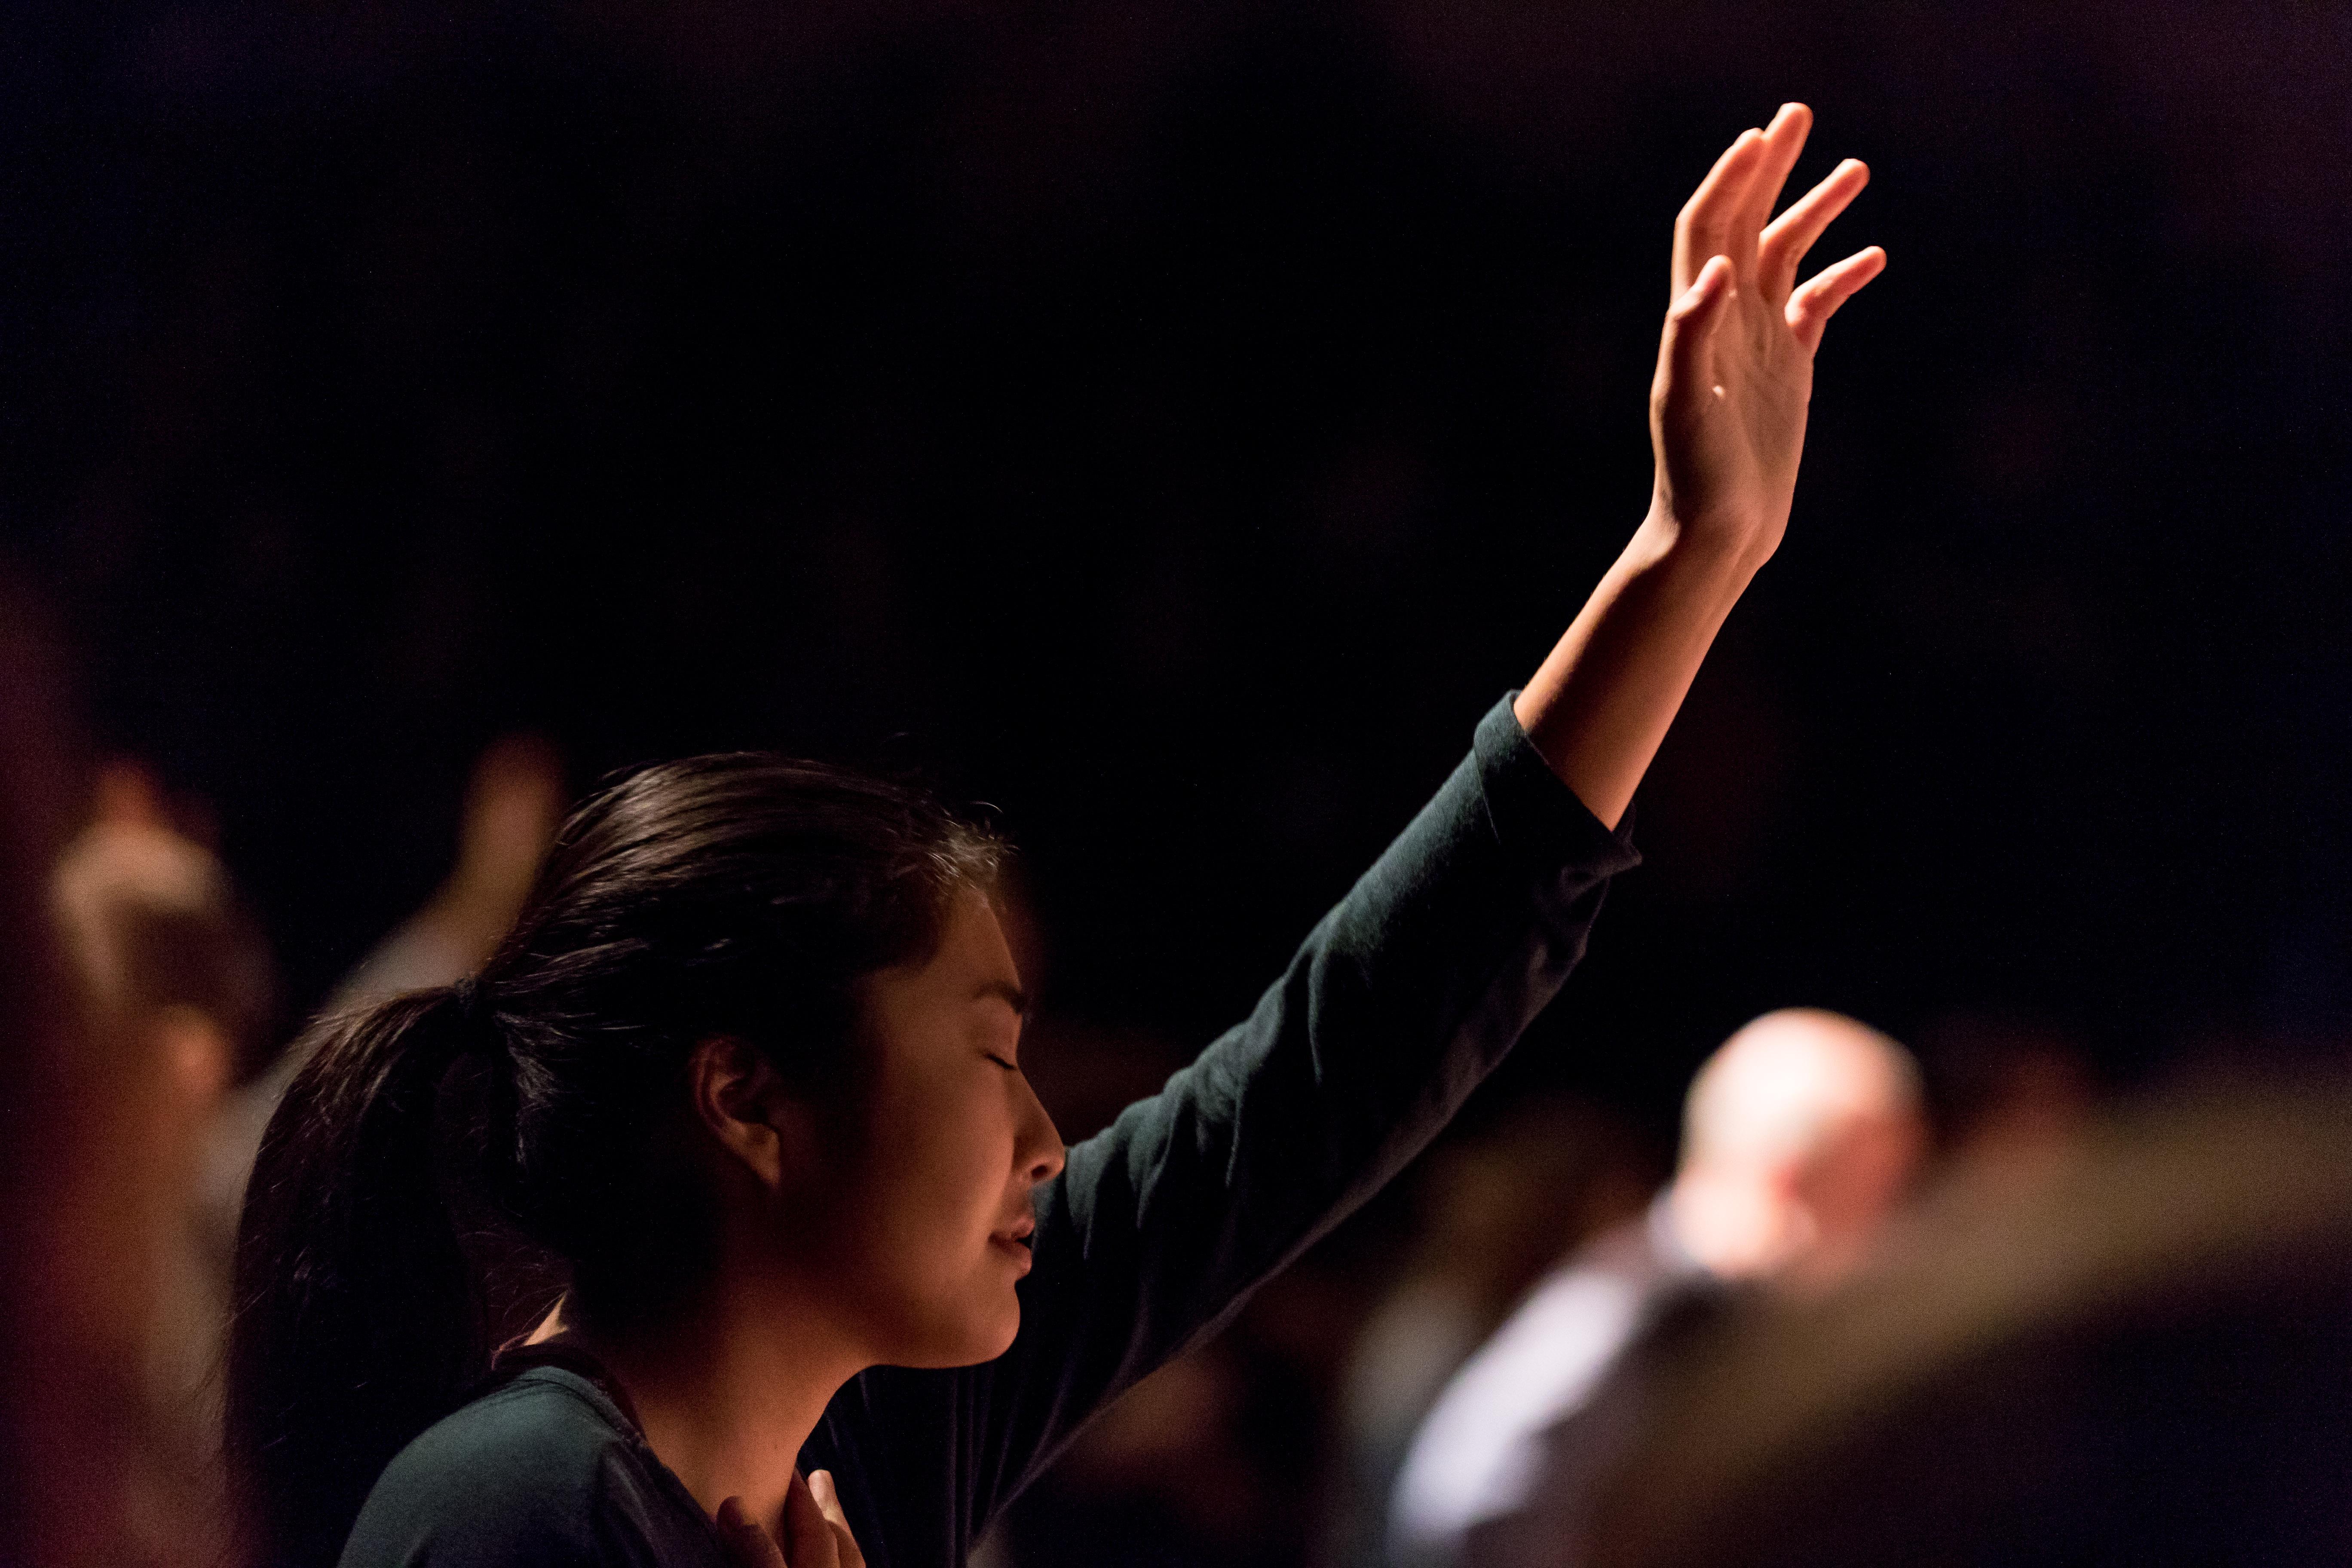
(543, 1470)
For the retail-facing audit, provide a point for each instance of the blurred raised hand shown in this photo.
(514, 804)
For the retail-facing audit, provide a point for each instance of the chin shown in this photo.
(1001, 1340)
(978, 1328)
(992, 1332)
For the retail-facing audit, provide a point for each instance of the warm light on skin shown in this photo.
(888, 1222)
(882, 1228)
(951, 1145)
(1727, 425)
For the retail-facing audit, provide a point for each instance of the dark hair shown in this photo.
(739, 895)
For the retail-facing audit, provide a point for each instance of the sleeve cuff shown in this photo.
(1531, 813)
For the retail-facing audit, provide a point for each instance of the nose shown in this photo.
(1037, 1152)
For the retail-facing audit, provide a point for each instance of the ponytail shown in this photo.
(742, 895)
(357, 1323)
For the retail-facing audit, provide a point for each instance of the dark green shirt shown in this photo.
(1397, 1005)
(543, 1471)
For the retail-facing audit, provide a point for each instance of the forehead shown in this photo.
(972, 938)
(971, 961)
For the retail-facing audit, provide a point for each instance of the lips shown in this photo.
(1015, 1241)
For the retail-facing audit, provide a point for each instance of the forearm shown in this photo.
(1600, 704)
(1727, 427)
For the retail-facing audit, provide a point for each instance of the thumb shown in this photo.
(1685, 358)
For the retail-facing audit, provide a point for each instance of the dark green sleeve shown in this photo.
(1397, 1005)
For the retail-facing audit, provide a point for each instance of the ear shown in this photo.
(741, 1102)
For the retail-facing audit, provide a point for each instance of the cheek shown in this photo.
(933, 1287)
(941, 1161)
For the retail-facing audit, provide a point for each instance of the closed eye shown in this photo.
(1000, 1061)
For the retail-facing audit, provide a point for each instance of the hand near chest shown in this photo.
(815, 1532)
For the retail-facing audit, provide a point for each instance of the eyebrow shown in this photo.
(1003, 991)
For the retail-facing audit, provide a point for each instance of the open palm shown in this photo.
(1735, 362)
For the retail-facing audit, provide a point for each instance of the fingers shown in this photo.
(1704, 226)
(808, 1534)
(1811, 308)
(1793, 231)
(748, 1545)
(828, 1502)
(1784, 139)
(1687, 357)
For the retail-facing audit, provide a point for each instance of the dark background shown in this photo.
(1174, 423)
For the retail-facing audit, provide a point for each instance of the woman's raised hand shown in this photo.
(1728, 425)
(816, 1532)
(1735, 364)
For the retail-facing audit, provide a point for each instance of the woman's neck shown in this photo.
(726, 1394)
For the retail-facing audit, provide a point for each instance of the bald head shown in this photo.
(1799, 1135)
(1784, 1085)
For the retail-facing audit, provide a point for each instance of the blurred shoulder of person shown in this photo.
(1492, 1212)
(1802, 1134)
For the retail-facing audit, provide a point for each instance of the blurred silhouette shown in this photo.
(177, 993)
(2011, 1095)
(58, 1453)
(1800, 1135)
(1495, 1210)
(2145, 1358)
(514, 803)
(140, 1012)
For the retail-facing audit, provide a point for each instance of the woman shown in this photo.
(749, 1065)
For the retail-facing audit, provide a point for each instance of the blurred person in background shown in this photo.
(514, 799)
(1800, 1136)
(140, 1018)
(68, 1438)
(177, 989)
(2142, 1356)
(750, 1066)
(177, 980)
(1494, 1212)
